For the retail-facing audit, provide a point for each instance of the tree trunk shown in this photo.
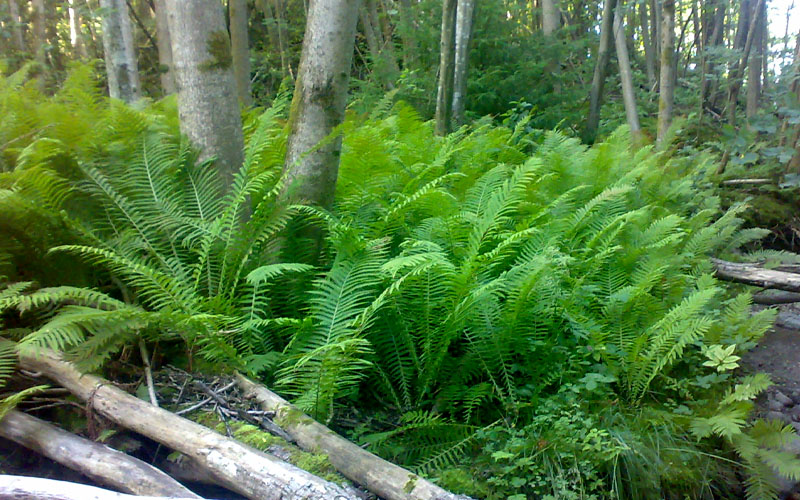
(444, 89)
(709, 87)
(551, 17)
(283, 36)
(407, 30)
(385, 479)
(76, 31)
(384, 65)
(319, 101)
(39, 39)
(666, 93)
(36, 488)
(626, 76)
(600, 68)
(649, 51)
(207, 103)
(164, 48)
(739, 66)
(242, 469)
(121, 65)
(16, 25)
(750, 274)
(464, 16)
(94, 460)
(756, 64)
(240, 49)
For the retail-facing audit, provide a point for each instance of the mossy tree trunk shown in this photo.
(164, 48)
(122, 68)
(444, 90)
(464, 16)
(666, 92)
(240, 48)
(207, 104)
(319, 100)
(603, 57)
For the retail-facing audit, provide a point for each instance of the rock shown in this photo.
(782, 417)
(782, 398)
(775, 405)
(796, 426)
(795, 397)
(795, 413)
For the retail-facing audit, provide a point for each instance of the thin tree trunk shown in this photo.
(600, 68)
(626, 76)
(708, 87)
(202, 62)
(94, 460)
(75, 31)
(464, 16)
(384, 64)
(240, 49)
(319, 101)
(39, 42)
(283, 36)
(755, 67)
(551, 17)
(649, 51)
(16, 25)
(164, 48)
(739, 67)
(407, 29)
(666, 94)
(444, 90)
(121, 66)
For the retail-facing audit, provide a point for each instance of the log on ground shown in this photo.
(377, 475)
(36, 488)
(96, 461)
(249, 472)
(751, 274)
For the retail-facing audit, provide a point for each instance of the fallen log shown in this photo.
(100, 463)
(750, 274)
(36, 488)
(251, 473)
(377, 475)
(776, 298)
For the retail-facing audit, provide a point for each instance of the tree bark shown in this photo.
(750, 274)
(551, 17)
(709, 87)
(76, 31)
(166, 72)
(39, 39)
(626, 76)
(207, 104)
(385, 479)
(35, 488)
(756, 65)
(253, 474)
(464, 16)
(384, 64)
(122, 68)
(240, 49)
(444, 89)
(94, 460)
(649, 51)
(600, 68)
(319, 101)
(407, 29)
(666, 93)
(16, 25)
(737, 72)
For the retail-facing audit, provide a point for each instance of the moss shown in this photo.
(409, 486)
(218, 46)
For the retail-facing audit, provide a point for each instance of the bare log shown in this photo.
(383, 478)
(747, 182)
(776, 298)
(256, 475)
(36, 488)
(96, 461)
(750, 274)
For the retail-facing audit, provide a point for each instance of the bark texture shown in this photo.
(600, 69)
(122, 68)
(240, 49)
(751, 274)
(319, 100)
(383, 478)
(164, 48)
(94, 460)
(551, 17)
(253, 474)
(444, 89)
(626, 76)
(35, 488)
(465, 13)
(666, 92)
(207, 104)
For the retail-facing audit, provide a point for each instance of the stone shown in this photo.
(782, 398)
(782, 417)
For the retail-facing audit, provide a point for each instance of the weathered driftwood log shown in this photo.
(383, 478)
(778, 297)
(750, 274)
(256, 475)
(102, 464)
(36, 488)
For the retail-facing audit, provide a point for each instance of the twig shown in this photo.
(148, 373)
